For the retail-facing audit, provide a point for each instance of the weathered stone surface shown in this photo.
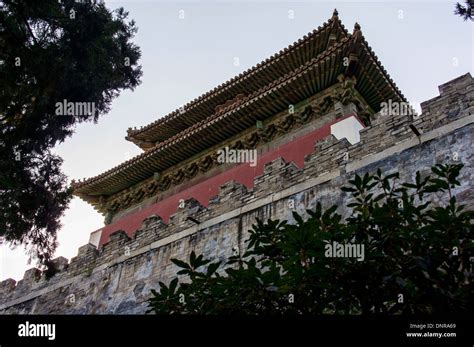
(118, 277)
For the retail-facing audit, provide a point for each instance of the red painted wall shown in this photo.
(294, 151)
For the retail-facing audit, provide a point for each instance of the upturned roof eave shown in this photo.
(147, 135)
(94, 184)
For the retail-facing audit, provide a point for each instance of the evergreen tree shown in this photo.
(464, 11)
(52, 52)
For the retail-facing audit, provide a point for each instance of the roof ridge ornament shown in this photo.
(333, 34)
(357, 30)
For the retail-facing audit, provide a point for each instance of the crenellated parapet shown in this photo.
(85, 259)
(6, 287)
(385, 142)
(455, 100)
(277, 175)
(330, 154)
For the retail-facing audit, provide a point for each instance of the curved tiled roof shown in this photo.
(308, 78)
(251, 80)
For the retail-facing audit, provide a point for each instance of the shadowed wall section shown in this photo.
(118, 276)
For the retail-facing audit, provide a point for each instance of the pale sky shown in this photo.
(421, 44)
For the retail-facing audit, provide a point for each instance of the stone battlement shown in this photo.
(117, 277)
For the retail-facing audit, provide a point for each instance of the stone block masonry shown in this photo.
(117, 278)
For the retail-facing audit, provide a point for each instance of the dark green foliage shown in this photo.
(418, 245)
(51, 51)
(464, 11)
